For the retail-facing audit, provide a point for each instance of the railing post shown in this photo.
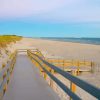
(63, 65)
(72, 85)
(78, 68)
(51, 81)
(92, 65)
(3, 65)
(4, 88)
(45, 74)
(8, 79)
(41, 70)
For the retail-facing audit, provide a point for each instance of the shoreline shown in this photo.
(59, 40)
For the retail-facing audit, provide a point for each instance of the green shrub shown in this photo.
(7, 39)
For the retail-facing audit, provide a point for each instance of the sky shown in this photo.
(50, 18)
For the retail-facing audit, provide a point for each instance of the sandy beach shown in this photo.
(63, 49)
(66, 50)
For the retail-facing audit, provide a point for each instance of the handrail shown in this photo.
(38, 51)
(66, 64)
(5, 73)
(94, 91)
(67, 90)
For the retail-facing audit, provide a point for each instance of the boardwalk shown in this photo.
(27, 84)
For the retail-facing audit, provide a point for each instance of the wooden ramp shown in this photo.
(27, 84)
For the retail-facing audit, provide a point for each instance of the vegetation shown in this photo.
(7, 39)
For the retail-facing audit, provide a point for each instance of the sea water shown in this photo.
(95, 41)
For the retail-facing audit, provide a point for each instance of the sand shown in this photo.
(67, 50)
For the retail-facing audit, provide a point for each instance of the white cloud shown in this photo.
(21, 8)
(59, 10)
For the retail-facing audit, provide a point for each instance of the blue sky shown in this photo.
(54, 18)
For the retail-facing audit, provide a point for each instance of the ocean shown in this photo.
(95, 41)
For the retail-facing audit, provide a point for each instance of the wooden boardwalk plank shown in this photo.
(27, 84)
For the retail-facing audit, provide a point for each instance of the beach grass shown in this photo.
(7, 39)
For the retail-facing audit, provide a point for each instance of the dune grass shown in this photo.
(7, 39)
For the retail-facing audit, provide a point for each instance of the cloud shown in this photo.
(53, 10)
(21, 8)
(79, 11)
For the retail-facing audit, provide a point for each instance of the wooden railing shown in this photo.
(48, 69)
(5, 73)
(64, 64)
